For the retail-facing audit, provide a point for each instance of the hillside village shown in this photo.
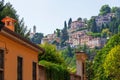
(82, 50)
(78, 33)
(89, 36)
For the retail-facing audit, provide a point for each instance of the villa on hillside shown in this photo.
(100, 20)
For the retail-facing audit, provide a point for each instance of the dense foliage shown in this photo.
(64, 35)
(51, 54)
(93, 26)
(70, 58)
(55, 71)
(98, 67)
(105, 9)
(37, 38)
(54, 64)
(112, 64)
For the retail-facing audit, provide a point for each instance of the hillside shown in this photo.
(98, 37)
(92, 33)
(84, 35)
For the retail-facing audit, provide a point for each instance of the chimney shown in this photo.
(9, 22)
(80, 61)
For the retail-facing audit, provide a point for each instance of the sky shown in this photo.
(48, 15)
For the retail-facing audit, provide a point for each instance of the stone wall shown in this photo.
(74, 77)
(42, 74)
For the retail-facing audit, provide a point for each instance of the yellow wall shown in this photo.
(10, 63)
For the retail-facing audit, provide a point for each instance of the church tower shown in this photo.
(34, 29)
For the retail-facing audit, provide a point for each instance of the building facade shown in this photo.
(18, 56)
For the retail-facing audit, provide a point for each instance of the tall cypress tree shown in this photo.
(69, 23)
(93, 26)
(64, 34)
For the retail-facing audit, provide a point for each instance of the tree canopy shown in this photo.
(98, 67)
(64, 35)
(51, 54)
(93, 26)
(105, 9)
(69, 23)
(37, 38)
(112, 64)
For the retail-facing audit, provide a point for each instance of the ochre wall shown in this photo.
(10, 61)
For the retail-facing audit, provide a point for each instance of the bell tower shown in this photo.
(9, 22)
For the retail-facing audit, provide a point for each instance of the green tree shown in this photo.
(106, 33)
(51, 54)
(64, 34)
(114, 9)
(65, 25)
(9, 10)
(119, 28)
(93, 26)
(118, 13)
(53, 63)
(37, 38)
(89, 24)
(100, 58)
(58, 32)
(68, 51)
(105, 9)
(20, 28)
(55, 71)
(89, 69)
(113, 26)
(1, 8)
(70, 58)
(112, 64)
(79, 19)
(69, 23)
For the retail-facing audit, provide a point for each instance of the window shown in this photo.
(34, 71)
(19, 68)
(1, 65)
(83, 68)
